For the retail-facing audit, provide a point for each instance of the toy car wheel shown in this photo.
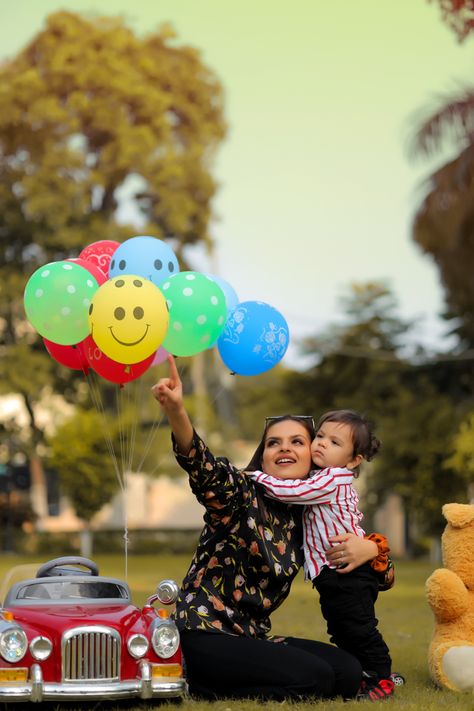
(397, 679)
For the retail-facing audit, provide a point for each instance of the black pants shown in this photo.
(221, 665)
(347, 603)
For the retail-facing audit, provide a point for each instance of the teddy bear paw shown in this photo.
(458, 666)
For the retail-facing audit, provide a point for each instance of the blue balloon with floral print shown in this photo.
(255, 338)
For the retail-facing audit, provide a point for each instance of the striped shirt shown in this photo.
(330, 503)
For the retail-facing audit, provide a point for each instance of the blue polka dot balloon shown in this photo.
(148, 257)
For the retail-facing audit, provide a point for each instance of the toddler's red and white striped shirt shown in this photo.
(330, 503)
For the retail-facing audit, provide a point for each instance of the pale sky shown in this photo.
(317, 189)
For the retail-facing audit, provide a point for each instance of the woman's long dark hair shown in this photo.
(256, 460)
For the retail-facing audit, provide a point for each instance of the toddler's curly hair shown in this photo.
(363, 438)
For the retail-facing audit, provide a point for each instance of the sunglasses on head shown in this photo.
(279, 418)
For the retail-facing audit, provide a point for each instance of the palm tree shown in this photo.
(444, 222)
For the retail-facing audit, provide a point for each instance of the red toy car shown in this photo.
(70, 634)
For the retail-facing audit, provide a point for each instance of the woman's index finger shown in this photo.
(174, 375)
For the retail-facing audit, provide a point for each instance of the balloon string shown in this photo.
(158, 419)
(98, 404)
(156, 424)
(126, 539)
(121, 434)
(127, 434)
(138, 398)
(97, 400)
(154, 428)
(217, 395)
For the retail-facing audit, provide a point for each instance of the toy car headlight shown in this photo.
(137, 645)
(13, 643)
(165, 639)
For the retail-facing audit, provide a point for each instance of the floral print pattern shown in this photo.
(248, 554)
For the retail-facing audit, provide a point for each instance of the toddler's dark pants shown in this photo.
(348, 606)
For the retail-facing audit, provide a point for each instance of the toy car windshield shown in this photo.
(65, 590)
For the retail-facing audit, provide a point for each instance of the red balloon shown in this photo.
(92, 268)
(100, 253)
(71, 356)
(109, 369)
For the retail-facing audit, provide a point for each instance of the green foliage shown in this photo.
(257, 398)
(80, 455)
(416, 432)
(88, 105)
(443, 226)
(360, 366)
(462, 459)
(357, 365)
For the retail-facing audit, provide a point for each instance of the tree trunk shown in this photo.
(200, 394)
(38, 491)
(86, 542)
(225, 402)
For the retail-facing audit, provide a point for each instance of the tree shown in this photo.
(356, 361)
(462, 459)
(459, 15)
(444, 222)
(79, 453)
(361, 364)
(257, 398)
(91, 112)
(416, 435)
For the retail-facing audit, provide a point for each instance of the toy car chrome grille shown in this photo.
(91, 652)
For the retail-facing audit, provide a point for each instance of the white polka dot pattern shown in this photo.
(198, 311)
(57, 298)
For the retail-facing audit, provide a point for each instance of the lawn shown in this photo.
(405, 621)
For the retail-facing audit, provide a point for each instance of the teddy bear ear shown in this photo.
(458, 515)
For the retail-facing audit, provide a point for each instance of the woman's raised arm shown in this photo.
(169, 393)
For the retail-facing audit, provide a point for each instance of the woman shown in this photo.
(248, 554)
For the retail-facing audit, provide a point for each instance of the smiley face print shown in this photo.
(129, 318)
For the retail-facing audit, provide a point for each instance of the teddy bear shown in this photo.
(450, 594)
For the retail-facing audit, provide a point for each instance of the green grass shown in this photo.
(404, 616)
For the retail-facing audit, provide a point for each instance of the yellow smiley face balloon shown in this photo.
(128, 318)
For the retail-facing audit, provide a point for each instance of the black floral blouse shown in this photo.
(248, 553)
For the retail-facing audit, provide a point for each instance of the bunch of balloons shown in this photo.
(120, 308)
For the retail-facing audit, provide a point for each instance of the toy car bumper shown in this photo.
(144, 687)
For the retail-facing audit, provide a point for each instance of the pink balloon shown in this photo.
(92, 268)
(109, 369)
(160, 356)
(71, 356)
(100, 253)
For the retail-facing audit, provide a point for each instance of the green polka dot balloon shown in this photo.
(198, 312)
(57, 299)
